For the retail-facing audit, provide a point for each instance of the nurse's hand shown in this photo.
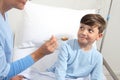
(17, 77)
(47, 48)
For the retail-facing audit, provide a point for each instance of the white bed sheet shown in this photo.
(42, 64)
(34, 74)
(22, 52)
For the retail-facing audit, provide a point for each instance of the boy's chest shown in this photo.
(78, 57)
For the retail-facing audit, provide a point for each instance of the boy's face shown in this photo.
(87, 34)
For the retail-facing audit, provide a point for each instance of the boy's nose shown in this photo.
(85, 32)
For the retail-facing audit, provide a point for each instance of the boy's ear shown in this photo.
(100, 35)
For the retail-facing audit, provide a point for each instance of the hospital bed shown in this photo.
(38, 70)
(62, 22)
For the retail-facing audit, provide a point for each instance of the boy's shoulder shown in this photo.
(69, 43)
(96, 53)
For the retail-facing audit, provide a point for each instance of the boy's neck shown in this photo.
(85, 47)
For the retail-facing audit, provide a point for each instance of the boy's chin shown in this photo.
(82, 42)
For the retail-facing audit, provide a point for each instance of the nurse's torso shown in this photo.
(6, 37)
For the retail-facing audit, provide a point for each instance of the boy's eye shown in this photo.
(90, 30)
(81, 28)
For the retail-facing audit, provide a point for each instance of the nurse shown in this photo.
(9, 69)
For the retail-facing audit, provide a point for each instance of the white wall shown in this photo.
(111, 48)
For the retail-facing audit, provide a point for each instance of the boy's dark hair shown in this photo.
(94, 20)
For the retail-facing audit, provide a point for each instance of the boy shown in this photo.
(77, 58)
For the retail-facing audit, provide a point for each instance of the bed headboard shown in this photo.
(40, 22)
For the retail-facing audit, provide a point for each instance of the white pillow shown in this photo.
(41, 21)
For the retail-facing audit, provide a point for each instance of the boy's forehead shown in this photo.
(93, 26)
